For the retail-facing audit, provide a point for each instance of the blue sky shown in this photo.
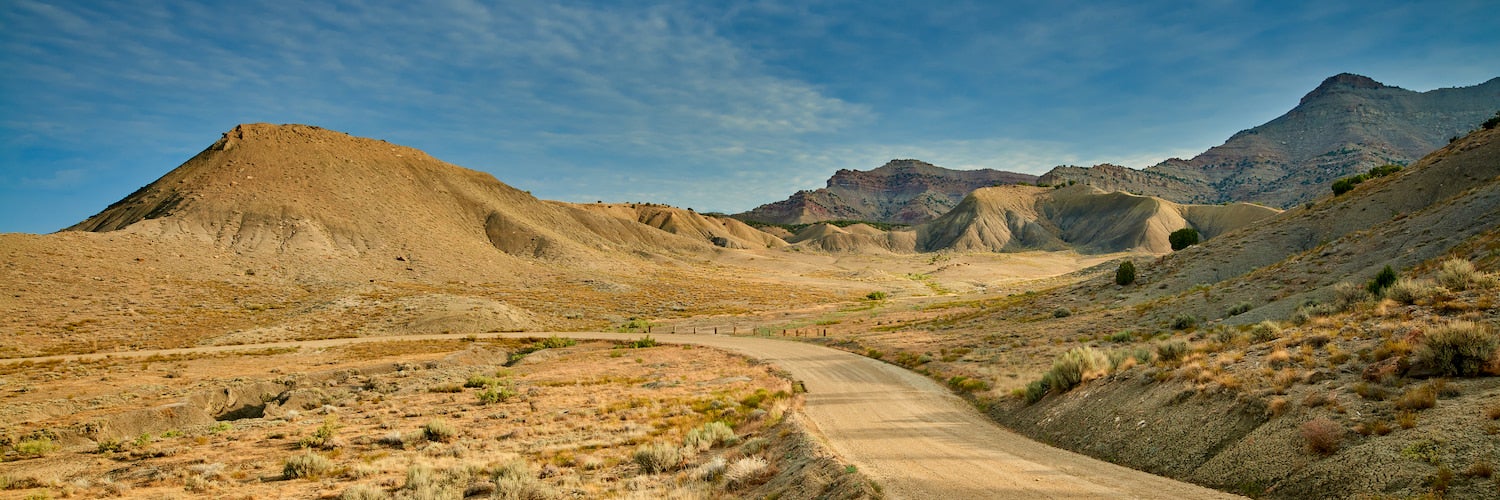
(716, 106)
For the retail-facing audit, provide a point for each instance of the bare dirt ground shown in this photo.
(907, 433)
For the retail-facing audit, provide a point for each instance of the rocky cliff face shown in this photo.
(900, 192)
(1346, 125)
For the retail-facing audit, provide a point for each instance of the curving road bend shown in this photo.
(904, 431)
(918, 440)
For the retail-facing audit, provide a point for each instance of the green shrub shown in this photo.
(439, 430)
(1074, 367)
(1036, 390)
(1240, 308)
(877, 295)
(642, 343)
(1061, 312)
(1347, 184)
(1122, 336)
(967, 384)
(1183, 238)
(309, 465)
(1125, 274)
(1461, 348)
(1384, 170)
(109, 446)
(1383, 280)
(1492, 122)
(556, 342)
(35, 447)
(477, 380)
(323, 437)
(1184, 321)
(708, 435)
(657, 457)
(496, 394)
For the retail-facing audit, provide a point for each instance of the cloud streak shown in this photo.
(715, 105)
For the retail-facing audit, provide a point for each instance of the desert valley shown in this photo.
(1310, 310)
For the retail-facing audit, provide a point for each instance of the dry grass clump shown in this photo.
(744, 471)
(1171, 351)
(1461, 348)
(309, 465)
(363, 492)
(1277, 406)
(1377, 428)
(1480, 469)
(1076, 366)
(1347, 295)
(657, 457)
(439, 430)
(1420, 397)
(710, 471)
(1323, 436)
(1406, 419)
(514, 480)
(1410, 291)
(1459, 274)
(1265, 331)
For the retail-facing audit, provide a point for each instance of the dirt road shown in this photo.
(906, 432)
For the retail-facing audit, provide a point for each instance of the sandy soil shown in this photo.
(909, 434)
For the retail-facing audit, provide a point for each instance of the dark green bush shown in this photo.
(1036, 390)
(1347, 184)
(1492, 122)
(1183, 238)
(1184, 321)
(1383, 280)
(1384, 170)
(1240, 308)
(1125, 274)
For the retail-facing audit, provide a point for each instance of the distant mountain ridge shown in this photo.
(1348, 124)
(1028, 218)
(899, 192)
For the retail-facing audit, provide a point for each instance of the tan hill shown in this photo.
(287, 232)
(723, 232)
(855, 239)
(1348, 124)
(304, 192)
(1079, 217)
(1026, 218)
(899, 192)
